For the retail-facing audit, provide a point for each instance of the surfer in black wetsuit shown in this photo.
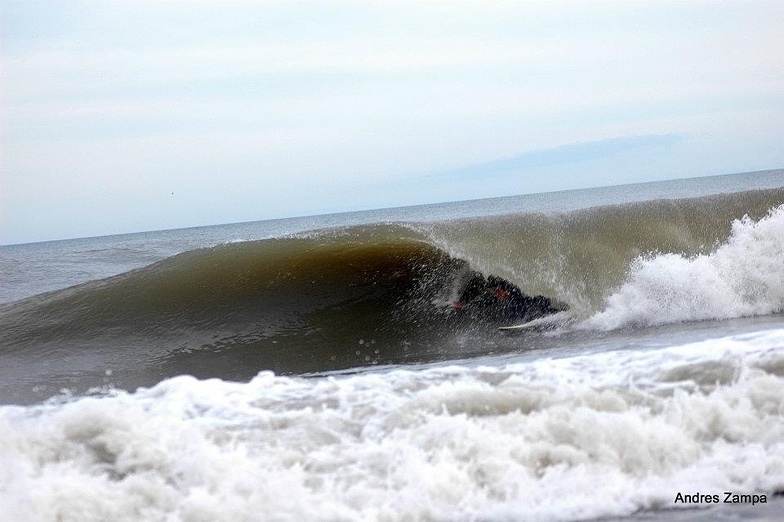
(498, 299)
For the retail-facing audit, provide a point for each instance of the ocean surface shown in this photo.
(315, 368)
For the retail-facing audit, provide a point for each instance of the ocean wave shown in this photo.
(744, 276)
(521, 441)
(379, 294)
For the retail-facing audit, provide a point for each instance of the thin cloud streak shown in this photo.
(564, 154)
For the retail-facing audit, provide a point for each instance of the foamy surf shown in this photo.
(605, 434)
(742, 277)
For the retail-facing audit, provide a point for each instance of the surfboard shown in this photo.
(548, 322)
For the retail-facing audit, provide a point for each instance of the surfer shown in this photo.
(497, 298)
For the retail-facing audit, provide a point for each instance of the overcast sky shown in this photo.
(130, 115)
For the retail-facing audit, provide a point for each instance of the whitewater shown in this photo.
(565, 439)
(741, 277)
(313, 368)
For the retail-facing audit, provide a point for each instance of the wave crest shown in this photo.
(742, 277)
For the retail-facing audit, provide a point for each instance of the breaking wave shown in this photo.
(379, 294)
(744, 276)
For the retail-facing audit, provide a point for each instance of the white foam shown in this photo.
(742, 277)
(589, 436)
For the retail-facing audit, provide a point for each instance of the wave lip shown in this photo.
(742, 277)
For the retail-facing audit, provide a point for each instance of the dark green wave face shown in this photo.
(342, 298)
(335, 300)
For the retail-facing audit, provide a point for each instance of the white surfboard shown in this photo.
(548, 322)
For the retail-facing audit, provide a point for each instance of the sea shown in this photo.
(313, 368)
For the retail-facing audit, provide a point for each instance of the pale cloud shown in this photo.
(229, 102)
